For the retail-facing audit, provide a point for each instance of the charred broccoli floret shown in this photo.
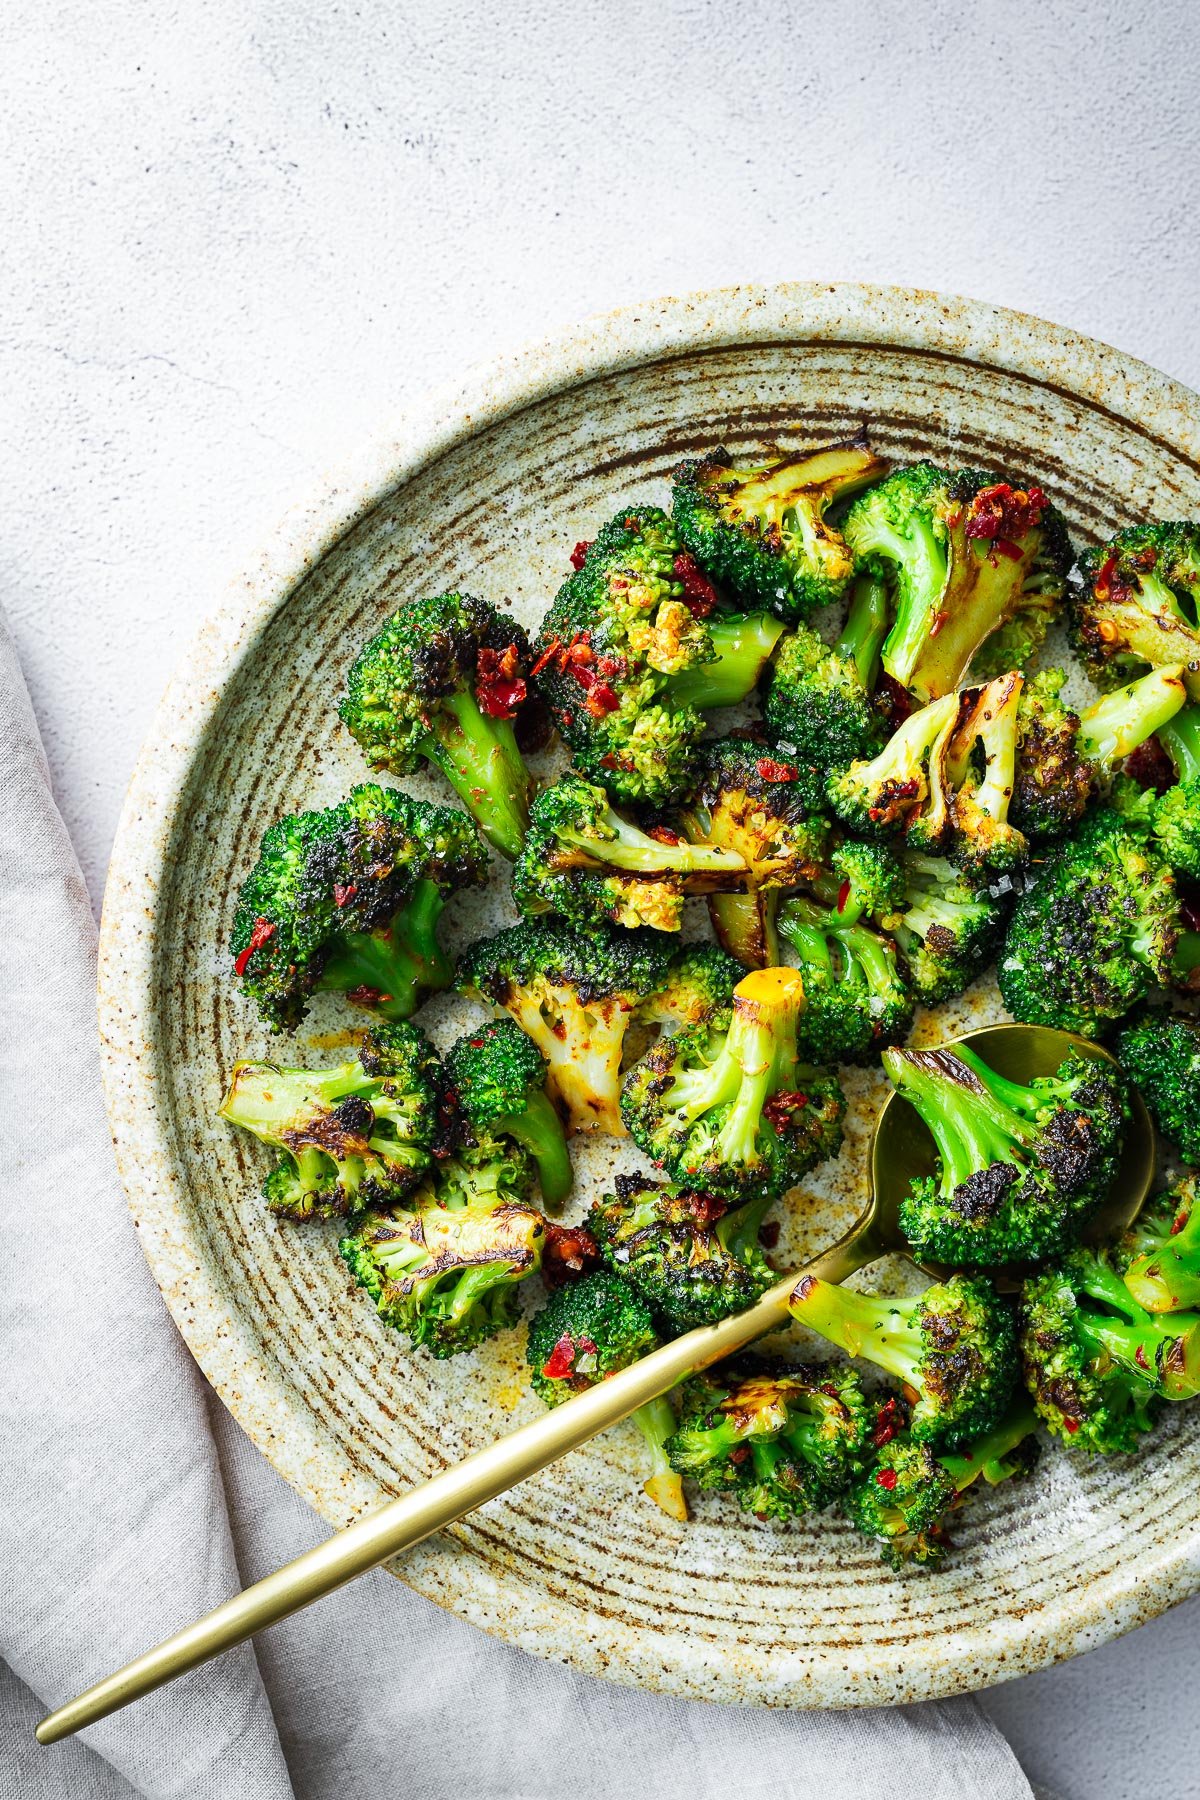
(977, 569)
(442, 682)
(783, 1438)
(1160, 1053)
(1173, 817)
(1137, 604)
(907, 1497)
(947, 930)
(748, 804)
(349, 899)
(762, 529)
(590, 1330)
(1160, 1253)
(631, 652)
(954, 1346)
(885, 794)
(856, 999)
(1096, 1362)
(1023, 1168)
(358, 1135)
(583, 860)
(734, 1111)
(817, 700)
(697, 986)
(575, 995)
(497, 1081)
(691, 1258)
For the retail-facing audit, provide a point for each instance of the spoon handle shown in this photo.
(439, 1502)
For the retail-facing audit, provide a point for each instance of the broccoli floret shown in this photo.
(1160, 1053)
(784, 1438)
(445, 1271)
(1098, 929)
(970, 559)
(626, 659)
(497, 1078)
(349, 899)
(906, 1498)
(588, 1331)
(443, 681)
(1172, 818)
(817, 700)
(691, 1258)
(748, 804)
(585, 861)
(698, 985)
(947, 930)
(856, 999)
(1023, 1169)
(358, 1135)
(1096, 1362)
(954, 1346)
(1160, 1253)
(734, 1111)
(894, 787)
(1054, 782)
(762, 529)
(1137, 604)
(575, 995)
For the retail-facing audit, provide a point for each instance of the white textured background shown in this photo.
(236, 237)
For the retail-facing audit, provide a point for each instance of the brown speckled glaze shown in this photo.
(488, 488)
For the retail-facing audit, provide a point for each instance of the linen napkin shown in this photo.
(132, 1503)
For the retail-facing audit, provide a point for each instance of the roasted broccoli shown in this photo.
(883, 795)
(583, 860)
(1137, 604)
(691, 1258)
(497, 1087)
(349, 899)
(1095, 1361)
(856, 998)
(587, 1331)
(443, 681)
(358, 1135)
(817, 700)
(733, 1110)
(1173, 817)
(954, 1347)
(630, 653)
(1160, 1253)
(699, 982)
(748, 804)
(1023, 1168)
(762, 529)
(783, 1438)
(575, 995)
(947, 930)
(969, 559)
(905, 1499)
(1160, 1053)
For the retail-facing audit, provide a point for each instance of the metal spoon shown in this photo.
(901, 1149)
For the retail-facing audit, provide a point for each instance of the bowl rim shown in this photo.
(957, 329)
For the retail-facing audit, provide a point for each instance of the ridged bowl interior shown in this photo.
(577, 1565)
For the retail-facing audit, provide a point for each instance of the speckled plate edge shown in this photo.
(1155, 1575)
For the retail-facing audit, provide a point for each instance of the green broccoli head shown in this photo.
(1023, 1168)
(954, 1347)
(1159, 1050)
(1137, 604)
(1055, 781)
(818, 711)
(443, 682)
(633, 650)
(734, 1111)
(784, 1438)
(575, 995)
(947, 930)
(903, 783)
(497, 1082)
(691, 1259)
(1160, 1253)
(697, 986)
(349, 899)
(762, 529)
(857, 1000)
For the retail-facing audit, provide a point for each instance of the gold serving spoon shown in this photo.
(901, 1149)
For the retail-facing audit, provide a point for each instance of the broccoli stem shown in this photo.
(866, 958)
(865, 628)
(883, 1329)
(398, 964)
(746, 926)
(1163, 1348)
(629, 848)
(1168, 1278)
(743, 642)
(1114, 727)
(656, 1422)
(971, 1126)
(987, 1455)
(479, 758)
(266, 1099)
(539, 1128)
(924, 570)
(737, 1232)
(757, 1059)
(1180, 738)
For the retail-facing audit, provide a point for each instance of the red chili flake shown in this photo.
(568, 1252)
(576, 558)
(342, 896)
(499, 684)
(843, 896)
(261, 932)
(1072, 1425)
(768, 1234)
(1178, 1222)
(561, 1360)
(609, 761)
(699, 594)
(887, 1478)
(779, 1108)
(1006, 547)
(366, 996)
(739, 1453)
(888, 1421)
(1003, 513)
(600, 701)
(548, 655)
(770, 770)
(1139, 1357)
(611, 665)
(662, 834)
(939, 619)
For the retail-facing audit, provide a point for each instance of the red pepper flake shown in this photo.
(699, 594)
(569, 1252)
(261, 933)
(561, 1360)
(887, 1478)
(1072, 1425)
(739, 1453)
(1002, 514)
(499, 684)
(768, 1234)
(770, 770)
(1179, 1221)
(1006, 547)
(600, 701)
(579, 553)
(342, 896)
(1139, 1357)
(779, 1108)
(888, 1421)
(939, 619)
(843, 896)
(548, 655)
(662, 834)
(624, 763)
(366, 996)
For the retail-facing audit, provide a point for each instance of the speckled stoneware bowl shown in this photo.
(488, 488)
